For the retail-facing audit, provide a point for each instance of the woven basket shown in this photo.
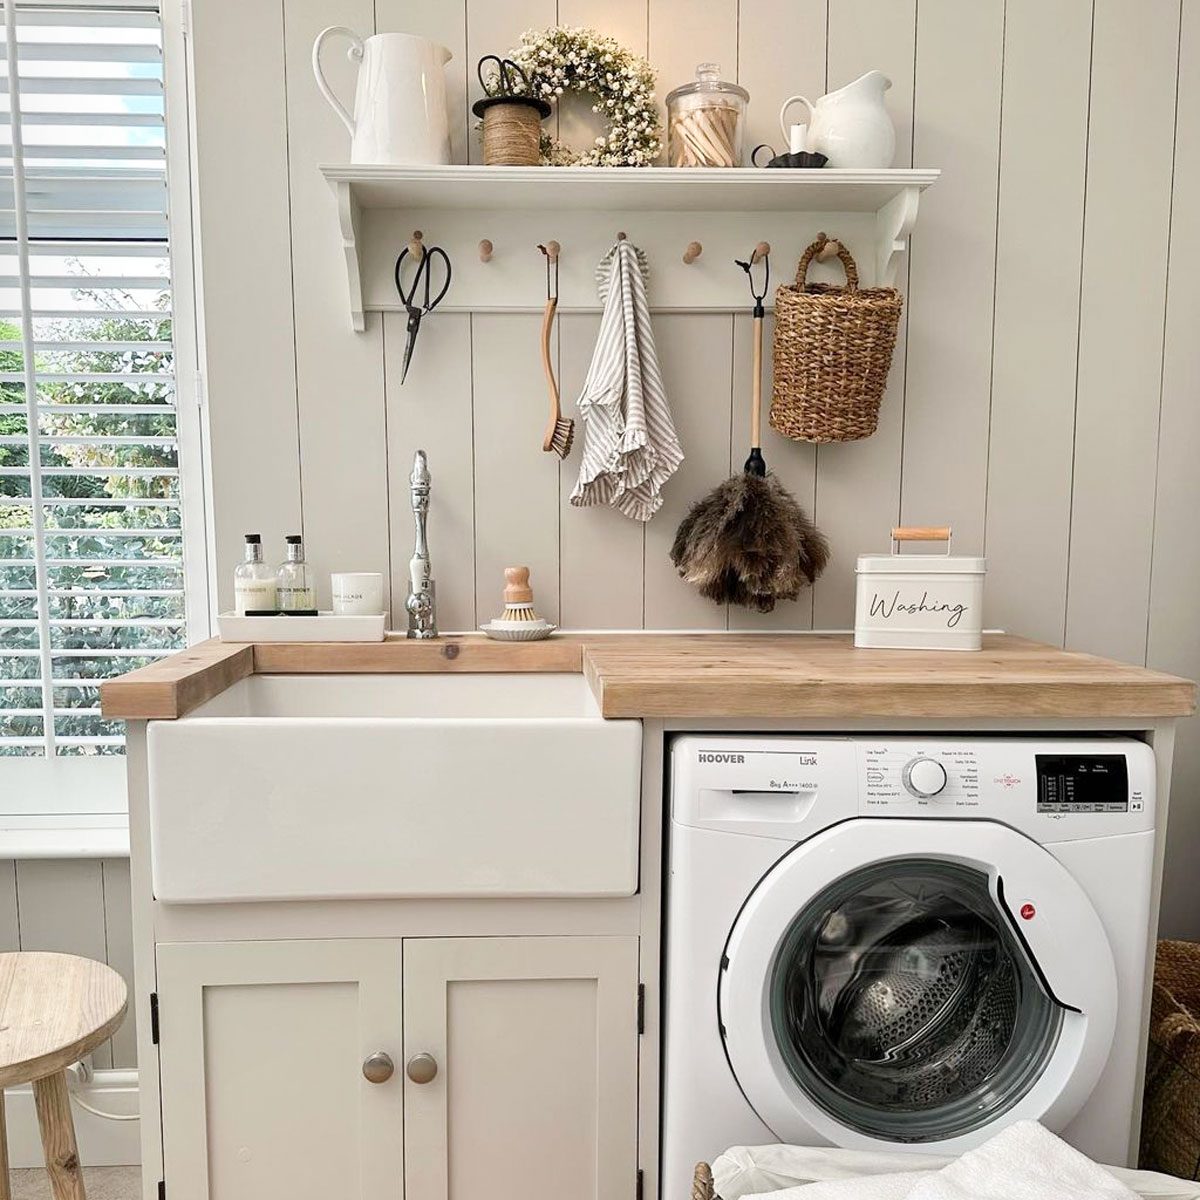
(1171, 1108)
(833, 348)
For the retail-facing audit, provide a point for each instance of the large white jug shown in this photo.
(400, 116)
(851, 126)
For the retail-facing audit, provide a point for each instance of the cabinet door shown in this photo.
(535, 1040)
(261, 1052)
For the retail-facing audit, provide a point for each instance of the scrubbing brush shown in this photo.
(560, 430)
(518, 596)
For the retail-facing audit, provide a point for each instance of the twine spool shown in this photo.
(512, 135)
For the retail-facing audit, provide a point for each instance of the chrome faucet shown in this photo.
(421, 602)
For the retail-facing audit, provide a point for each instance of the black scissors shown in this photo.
(504, 82)
(415, 310)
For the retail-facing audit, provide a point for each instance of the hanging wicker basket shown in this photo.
(833, 347)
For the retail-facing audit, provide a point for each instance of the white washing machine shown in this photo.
(879, 941)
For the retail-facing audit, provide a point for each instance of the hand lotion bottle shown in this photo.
(253, 580)
(293, 586)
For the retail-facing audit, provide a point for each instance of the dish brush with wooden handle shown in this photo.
(518, 596)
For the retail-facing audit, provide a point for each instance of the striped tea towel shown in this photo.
(629, 445)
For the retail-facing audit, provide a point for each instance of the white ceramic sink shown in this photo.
(295, 787)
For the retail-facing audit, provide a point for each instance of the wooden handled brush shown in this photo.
(560, 430)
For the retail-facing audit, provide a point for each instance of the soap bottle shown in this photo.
(253, 580)
(292, 579)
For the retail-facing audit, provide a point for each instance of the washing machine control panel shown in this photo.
(1069, 788)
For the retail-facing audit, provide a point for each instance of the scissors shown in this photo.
(504, 82)
(416, 310)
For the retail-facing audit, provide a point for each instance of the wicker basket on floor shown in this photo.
(1171, 1108)
(833, 348)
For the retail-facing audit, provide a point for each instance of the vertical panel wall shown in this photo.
(1041, 397)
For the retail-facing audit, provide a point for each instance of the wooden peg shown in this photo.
(693, 252)
(416, 247)
(829, 250)
(516, 586)
(553, 249)
(485, 251)
(621, 235)
(760, 252)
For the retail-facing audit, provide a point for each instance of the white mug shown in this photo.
(357, 594)
(400, 114)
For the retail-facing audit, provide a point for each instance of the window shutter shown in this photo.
(91, 538)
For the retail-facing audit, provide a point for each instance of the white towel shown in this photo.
(1024, 1161)
(629, 444)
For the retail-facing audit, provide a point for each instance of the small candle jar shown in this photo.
(706, 120)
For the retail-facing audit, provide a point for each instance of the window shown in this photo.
(92, 528)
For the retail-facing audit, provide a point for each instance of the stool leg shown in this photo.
(53, 1104)
(5, 1184)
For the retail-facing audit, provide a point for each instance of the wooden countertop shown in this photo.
(703, 675)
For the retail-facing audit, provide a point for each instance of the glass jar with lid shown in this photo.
(706, 120)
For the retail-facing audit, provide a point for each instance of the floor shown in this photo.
(102, 1183)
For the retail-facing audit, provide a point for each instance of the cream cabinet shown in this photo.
(513, 1068)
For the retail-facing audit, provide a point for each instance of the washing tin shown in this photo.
(919, 601)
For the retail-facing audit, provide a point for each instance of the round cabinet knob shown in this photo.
(378, 1068)
(421, 1068)
(924, 777)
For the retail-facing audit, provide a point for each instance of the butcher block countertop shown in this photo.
(702, 675)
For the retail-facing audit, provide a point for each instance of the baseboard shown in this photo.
(102, 1143)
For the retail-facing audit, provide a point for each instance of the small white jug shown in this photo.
(851, 126)
(400, 115)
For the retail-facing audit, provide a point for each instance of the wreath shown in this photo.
(561, 60)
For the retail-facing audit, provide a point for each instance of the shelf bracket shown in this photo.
(350, 220)
(893, 223)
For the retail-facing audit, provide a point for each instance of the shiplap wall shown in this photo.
(1043, 398)
(76, 906)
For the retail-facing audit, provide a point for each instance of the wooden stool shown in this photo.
(54, 1009)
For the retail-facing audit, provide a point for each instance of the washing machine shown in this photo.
(908, 941)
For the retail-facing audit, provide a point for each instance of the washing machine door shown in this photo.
(916, 981)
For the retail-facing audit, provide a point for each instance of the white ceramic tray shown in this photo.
(325, 627)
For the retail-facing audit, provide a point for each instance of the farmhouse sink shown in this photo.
(296, 787)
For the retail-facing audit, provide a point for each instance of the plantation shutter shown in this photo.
(91, 531)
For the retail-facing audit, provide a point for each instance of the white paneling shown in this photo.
(1174, 644)
(951, 276)
(343, 450)
(696, 356)
(770, 73)
(432, 412)
(246, 275)
(602, 550)
(1130, 151)
(62, 909)
(445, 22)
(858, 483)
(794, 463)
(10, 933)
(1038, 245)
(118, 937)
(516, 482)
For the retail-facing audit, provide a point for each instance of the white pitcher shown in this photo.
(400, 116)
(851, 126)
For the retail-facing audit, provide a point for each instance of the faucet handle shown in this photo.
(517, 589)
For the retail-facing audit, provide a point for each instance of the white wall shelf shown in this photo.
(456, 206)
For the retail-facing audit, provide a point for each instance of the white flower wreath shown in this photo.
(564, 59)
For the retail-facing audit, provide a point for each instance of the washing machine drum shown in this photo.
(904, 1007)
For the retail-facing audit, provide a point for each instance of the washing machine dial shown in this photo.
(924, 777)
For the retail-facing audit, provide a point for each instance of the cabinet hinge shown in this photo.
(154, 1031)
(641, 1009)
(162, 1189)
(640, 1186)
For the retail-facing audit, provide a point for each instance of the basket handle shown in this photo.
(844, 256)
(920, 533)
